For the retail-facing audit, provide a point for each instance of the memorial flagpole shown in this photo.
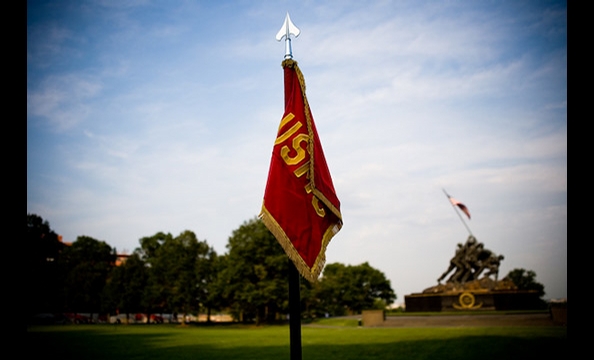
(286, 31)
(456, 204)
(300, 206)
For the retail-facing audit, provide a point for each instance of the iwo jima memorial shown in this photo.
(473, 282)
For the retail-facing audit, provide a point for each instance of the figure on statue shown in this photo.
(469, 262)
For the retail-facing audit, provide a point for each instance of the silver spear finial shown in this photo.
(286, 31)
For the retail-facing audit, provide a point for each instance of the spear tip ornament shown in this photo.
(286, 31)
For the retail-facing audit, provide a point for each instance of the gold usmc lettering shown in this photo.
(316, 205)
(297, 140)
(299, 155)
(289, 132)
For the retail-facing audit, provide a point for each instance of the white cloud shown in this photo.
(62, 101)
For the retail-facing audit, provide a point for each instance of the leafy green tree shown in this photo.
(346, 289)
(255, 278)
(178, 260)
(44, 278)
(219, 294)
(155, 295)
(125, 287)
(180, 270)
(88, 263)
(525, 280)
(332, 291)
(207, 266)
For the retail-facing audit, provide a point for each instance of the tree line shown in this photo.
(184, 275)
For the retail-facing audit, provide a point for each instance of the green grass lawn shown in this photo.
(338, 341)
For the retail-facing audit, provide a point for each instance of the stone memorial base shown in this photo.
(373, 317)
(559, 312)
(484, 294)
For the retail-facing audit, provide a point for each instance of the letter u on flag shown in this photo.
(300, 205)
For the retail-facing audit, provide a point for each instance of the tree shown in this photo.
(43, 243)
(88, 263)
(346, 289)
(525, 280)
(255, 278)
(125, 287)
(208, 264)
(179, 256)
(44, 277)
(154, 296)
(179, 272)
(219, 293)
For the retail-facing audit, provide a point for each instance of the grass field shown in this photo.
(337, 340)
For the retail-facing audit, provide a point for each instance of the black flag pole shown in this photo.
(286, 31)
(294, 312)
(457, 211)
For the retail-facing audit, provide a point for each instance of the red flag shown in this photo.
(460, 205)
(300, 205)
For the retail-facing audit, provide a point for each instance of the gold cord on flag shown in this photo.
(290, 63)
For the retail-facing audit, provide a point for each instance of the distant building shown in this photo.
(120, 258)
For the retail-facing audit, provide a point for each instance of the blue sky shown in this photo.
(147, 116)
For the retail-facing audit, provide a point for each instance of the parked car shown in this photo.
(76, 318)
(138, 318)
(121, 319)
(164, 318)
(156, 319)
(102, 319)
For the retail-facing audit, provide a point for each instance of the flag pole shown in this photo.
(286, 31)
(457, 212)
(294, 312)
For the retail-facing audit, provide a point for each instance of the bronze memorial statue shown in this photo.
(469, 262)
(471, 268)
(472, 285)
(473, 281)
